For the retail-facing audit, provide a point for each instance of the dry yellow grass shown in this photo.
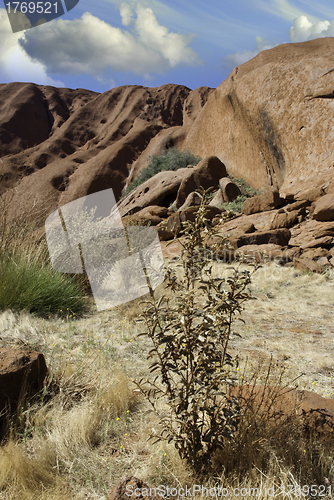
(90, 429)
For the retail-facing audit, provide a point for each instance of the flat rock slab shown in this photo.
(309, 234)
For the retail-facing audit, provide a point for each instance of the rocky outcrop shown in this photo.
(58, 145)
(323, 208)
(270, 120)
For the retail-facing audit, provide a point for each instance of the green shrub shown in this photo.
(170, 159)
(190, 333)
(27, 279)
(246, 192)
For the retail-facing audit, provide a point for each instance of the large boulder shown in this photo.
(160, 190)
(323, 208)
(132, 488)
(314, 413)
(262, 203)
(206, 174)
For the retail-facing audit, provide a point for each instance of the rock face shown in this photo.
(270, 121)
(20, 373)
(58, 145)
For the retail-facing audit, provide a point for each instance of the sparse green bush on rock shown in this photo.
(190, 334)
(246, 192)
(169, 159)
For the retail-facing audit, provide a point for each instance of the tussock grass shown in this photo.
(28, 281)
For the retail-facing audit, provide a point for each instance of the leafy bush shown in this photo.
(170, 159)
(190, 334)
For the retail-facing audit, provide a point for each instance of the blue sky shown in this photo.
(106, 43)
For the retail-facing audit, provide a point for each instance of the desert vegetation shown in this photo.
(28, 281)
(93, 423)
(246, 192)
(169, 159)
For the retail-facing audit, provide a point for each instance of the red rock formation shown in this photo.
(270, 121)
(58, 145)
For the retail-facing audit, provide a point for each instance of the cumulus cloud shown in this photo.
(15, 63)
(233, 60)
(91, 46)
(303, 29)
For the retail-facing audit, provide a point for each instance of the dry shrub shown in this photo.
(190, 333)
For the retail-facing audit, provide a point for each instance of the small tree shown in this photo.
(190, 333)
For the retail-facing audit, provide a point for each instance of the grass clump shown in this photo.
(32, 285)
(28, 280)
(169, 159)
(190, 333)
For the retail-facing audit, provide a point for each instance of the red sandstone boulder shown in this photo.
(206, 174)
(324, 208)
(262, 203)
(311, 234)
(191, 200)
(217, 200)
(229, 189)
(285, 219)
(21, 374)
(173, 224)
(160, 190)
(269, 121)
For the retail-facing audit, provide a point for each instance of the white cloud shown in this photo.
(15, 64)
(233, 60)
(91, 46)
(303, 29)
(280, 8)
